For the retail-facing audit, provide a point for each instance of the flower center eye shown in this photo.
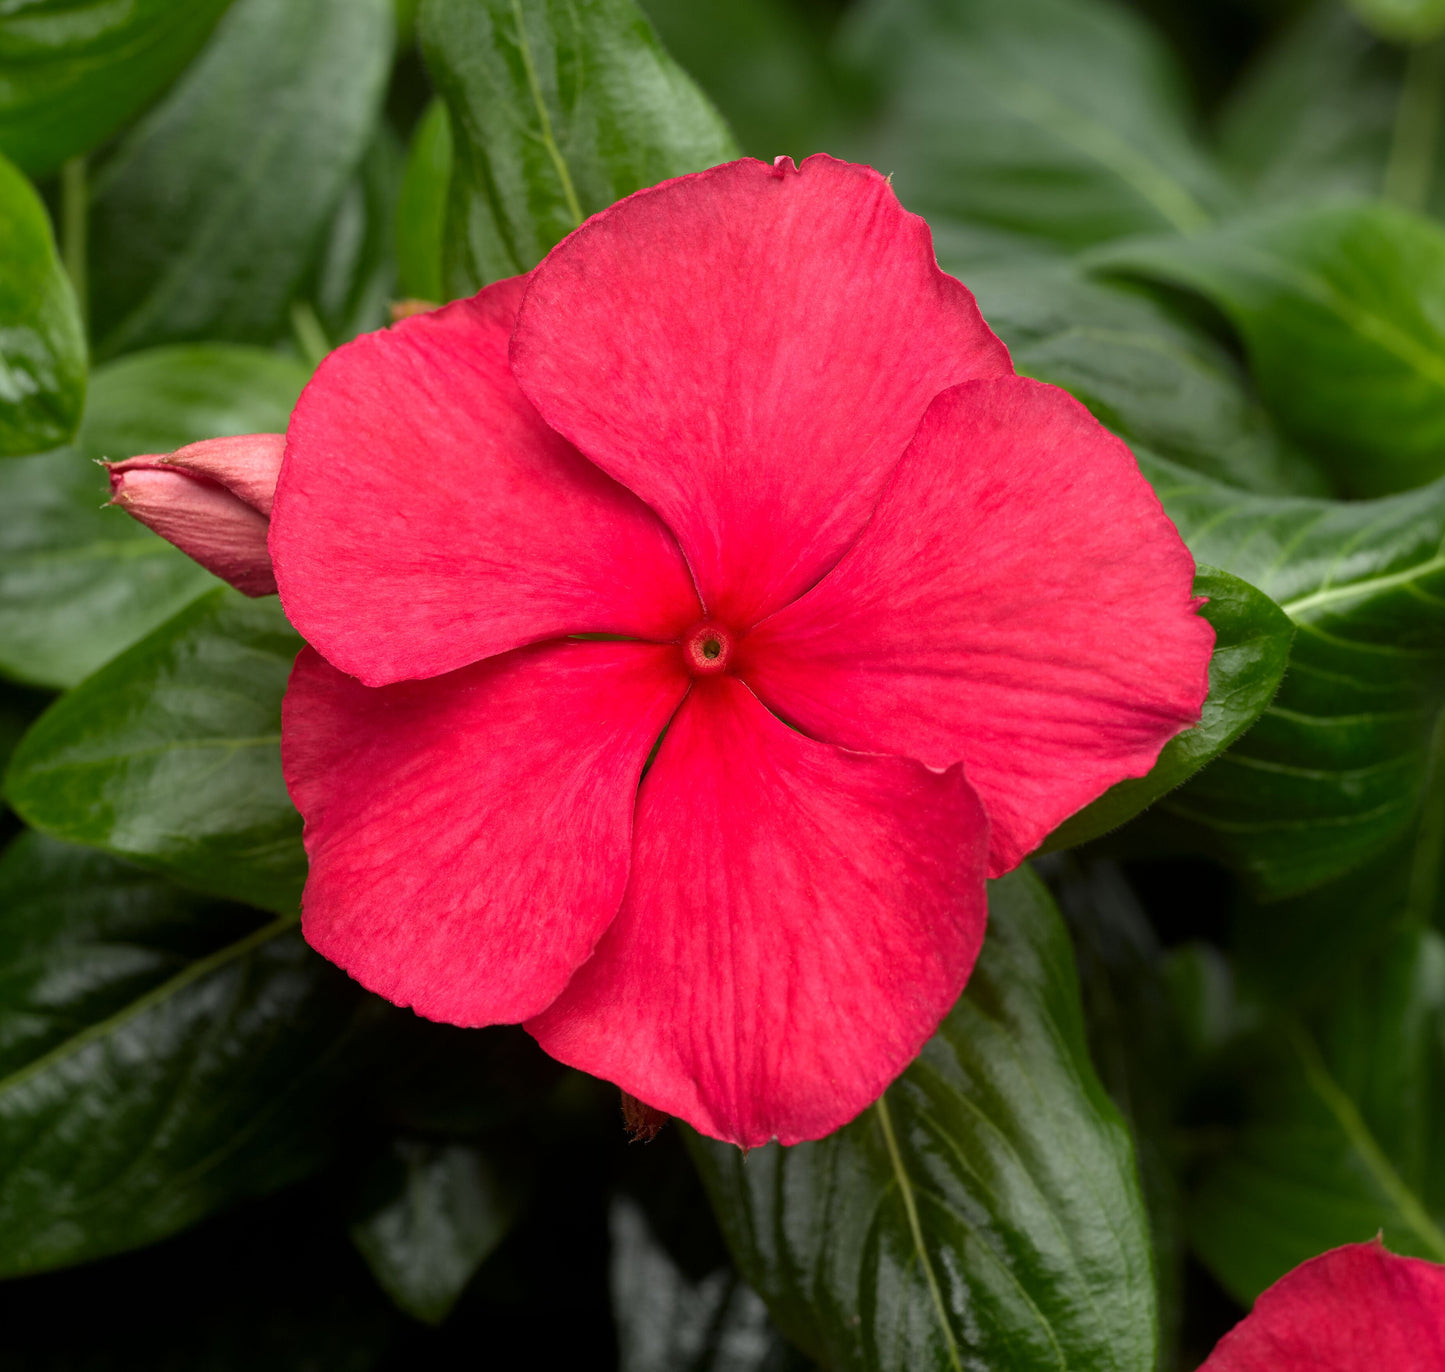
(707, 648)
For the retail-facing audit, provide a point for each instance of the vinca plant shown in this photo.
(722, 685)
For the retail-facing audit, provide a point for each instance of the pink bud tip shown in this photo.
(212, 500)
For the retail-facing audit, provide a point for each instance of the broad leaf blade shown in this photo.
(77, 71)
(557, 110)
(1251, 650)
(209, 214)
(987, 1214)
(170, 755)
(79, 582)
(1334, 771)
(1342, 310)
(160, 1056)
(42, 343)
(1057, 119)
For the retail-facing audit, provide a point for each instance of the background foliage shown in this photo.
(1206, 1039)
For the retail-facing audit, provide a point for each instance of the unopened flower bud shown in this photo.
(212, 500)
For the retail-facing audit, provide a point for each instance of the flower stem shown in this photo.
(310, 336)
(74, 211)
(1411, 168)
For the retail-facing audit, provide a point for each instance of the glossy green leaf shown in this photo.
(79, 582)
(432, 1214)
(1059, 119)
(421, 211)
(1403, 21)
(1342, 310)
(170, 755)
(160, 1056)
(209, 214)
(1251, 650)
(77, 71)
(986, 1213)
(42, 342)
(557, 110)
(1341, 1139)
(1335, 770)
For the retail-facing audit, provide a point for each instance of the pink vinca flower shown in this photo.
(1354, 1309)
(736, 468)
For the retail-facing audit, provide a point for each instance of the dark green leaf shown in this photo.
(79, 582)
(422, 209)
(434, 1212)
(1341, 1141)
(209, 214)
(667, 1322)
(557, 109)
(170, 755)
(1342, 310)
(1335, 769)
(1251, 649)
(42, 343)
(160, 1057)
(1145, 374)
(77, 71)
(1055, 118)
(986, 1214)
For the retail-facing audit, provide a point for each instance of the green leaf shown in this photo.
(986, 1213)
(77, 71)
(42, 342)
(1342, 310)
(1251, 650)
(1336, 768)
(1403, 21)
(669, 1322)
(557, 110)
(171, 756)
(432, 1215)
(421, 211)
(160, 1056)
(1340, 1143)
(79, 582)
(1141, 371)
(1054, 118)
(207, 217)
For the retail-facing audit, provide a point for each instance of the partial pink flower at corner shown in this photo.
(736, 489)
(212, 500)
(1358, 1308)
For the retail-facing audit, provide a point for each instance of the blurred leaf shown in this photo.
(79, 582)
(761, 64)
(77, 71)
(1055, 118)
(667, 1322)
(1145, 374)
(987, 1213)
(19, 708)
(42, 342)
(205, 220)
(1342, 310)
(1341, 1139)
(557, 110)
(434, 1213)
(160, 1057)
(357, 279)
(1403, 21)
(1335, 770)
(171, 756)
(1251, 650)
(422, 208)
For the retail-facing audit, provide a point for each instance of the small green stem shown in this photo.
(74, 211)
(1411, 169)
(310, 336)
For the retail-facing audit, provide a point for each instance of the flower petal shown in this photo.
(1354, 1309)
(426, 517)
(470, 835)
(798, 921)
(1020, 603)
(750, 349)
